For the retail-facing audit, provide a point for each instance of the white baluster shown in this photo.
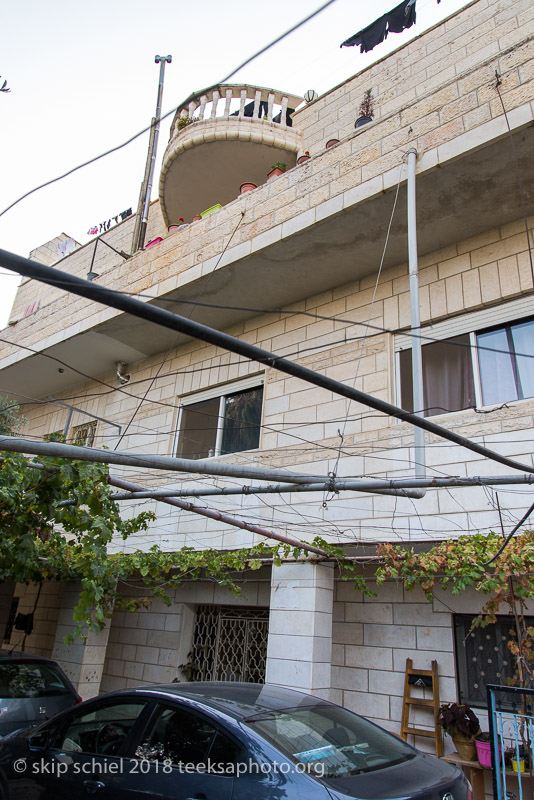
(270, 107)
(192, 108)
(216, 97)
(242, 102)
(228, 102)
(203, 101)
(257, 98)
(283, 114)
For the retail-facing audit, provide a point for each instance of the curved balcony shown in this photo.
(220, 139)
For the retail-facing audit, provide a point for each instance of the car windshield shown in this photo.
(330, 741)
(30, 679)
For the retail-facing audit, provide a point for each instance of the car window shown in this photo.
(101, 731)
(180, 737)
(31, 679)
(330, 740)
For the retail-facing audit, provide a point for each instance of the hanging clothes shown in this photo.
(395, 21)
(401, 17)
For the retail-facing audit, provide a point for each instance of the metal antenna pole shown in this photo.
(151, 157)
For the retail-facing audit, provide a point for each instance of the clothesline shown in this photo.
(105, 226)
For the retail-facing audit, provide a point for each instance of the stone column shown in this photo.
(82, 662)
(300, 627)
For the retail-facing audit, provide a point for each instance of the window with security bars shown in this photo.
(229, 644)
(483, 656)
(84, 434)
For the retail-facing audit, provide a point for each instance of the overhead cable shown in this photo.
(196, 330)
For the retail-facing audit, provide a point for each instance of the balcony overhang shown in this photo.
(334, 244)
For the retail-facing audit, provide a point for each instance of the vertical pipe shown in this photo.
(417, 359)
(161, 60)
(67, 424)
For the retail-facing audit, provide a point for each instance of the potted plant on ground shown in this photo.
(462, 725)
(367, 109)
(277, 169)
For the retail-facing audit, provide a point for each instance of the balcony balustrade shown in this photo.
(220, 139)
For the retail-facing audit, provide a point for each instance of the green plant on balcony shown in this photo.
(366, 110)
(281, 165)
(183, 122)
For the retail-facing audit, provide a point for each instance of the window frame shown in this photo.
(473, 330)
(221, 391)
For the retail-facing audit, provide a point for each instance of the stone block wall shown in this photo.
(373, 636)
(46, 612)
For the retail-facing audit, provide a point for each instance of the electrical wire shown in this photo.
(172, 111)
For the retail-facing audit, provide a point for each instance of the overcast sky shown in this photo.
(83, 79)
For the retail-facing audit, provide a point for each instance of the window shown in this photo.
(102, 731)
(220, 423)
(483, 656)
(229, 644)
(482, 368)
(84, 434)
(179, 737)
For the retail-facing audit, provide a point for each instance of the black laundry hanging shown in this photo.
(395, 21)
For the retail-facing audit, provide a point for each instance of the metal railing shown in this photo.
(511, 723)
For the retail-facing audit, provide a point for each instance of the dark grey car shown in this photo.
(32, 689)
(218, 741)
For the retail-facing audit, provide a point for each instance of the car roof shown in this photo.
(237, 700)
(19, 655)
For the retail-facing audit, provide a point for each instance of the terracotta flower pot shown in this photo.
(275, 172)
(363, 120)
(247, 187)
(331, 143)
(197, 216)
(303, 159)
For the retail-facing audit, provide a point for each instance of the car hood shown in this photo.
(421, 778)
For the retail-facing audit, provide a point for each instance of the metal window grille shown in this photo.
(84, 434)
(229, 644)
(483, 656)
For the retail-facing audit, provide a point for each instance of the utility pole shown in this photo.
(146, 186)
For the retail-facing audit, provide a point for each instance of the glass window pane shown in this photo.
(496, 370)
(177, 736)
(242, 417)
(330, 740)
(523, 336)
(100, 732)
(198, 429)
(448, 383)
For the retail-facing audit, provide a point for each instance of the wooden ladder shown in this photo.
(425, 679)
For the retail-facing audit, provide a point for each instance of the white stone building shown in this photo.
(294, 266)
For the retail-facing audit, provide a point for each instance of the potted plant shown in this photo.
(183, 122)
(331, 142)
(247, 187)
(367, 109)
(304, 157)
(277, 169)
(462, 725)
(483, 746)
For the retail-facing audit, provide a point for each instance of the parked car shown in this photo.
(32, 689)
(218, 741)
